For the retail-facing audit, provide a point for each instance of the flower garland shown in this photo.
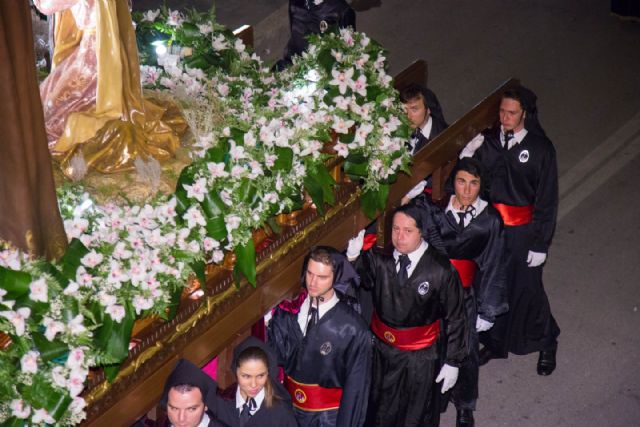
(258, 146)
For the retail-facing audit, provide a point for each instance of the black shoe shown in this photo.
(485, 355)
(547, 362)
(464, 418)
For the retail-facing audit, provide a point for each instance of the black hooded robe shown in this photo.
(481, 241)
(525, 175)
(278, 415)
(186, 372)
(404, 392)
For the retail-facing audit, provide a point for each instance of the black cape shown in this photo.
(278, 415)
(404, 391)
(524, 175)
(336, 353)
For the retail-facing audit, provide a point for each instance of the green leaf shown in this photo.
(14, 422)
(284, 161)
(112, 337)
(111, 371)
(369, 203)
(42, 395)
(326, 60)
(213, 208)
(70, 261)
(49, 350)
(173, 306)
(197, 61)
(198, 268)
(16, 283)
(356, 169)
(248, 191)
(245, 263)
(383, 195)
(215, 154)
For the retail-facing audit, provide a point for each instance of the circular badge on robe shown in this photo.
(389, 337)
(300, 395)
(324, 26)
(325, 348)
(423, 288)
(524, 156)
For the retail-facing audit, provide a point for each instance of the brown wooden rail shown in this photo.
(207, 327)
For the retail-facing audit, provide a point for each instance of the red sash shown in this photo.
(312, 397)
(515, 215)
(466, 270)
(414, 338)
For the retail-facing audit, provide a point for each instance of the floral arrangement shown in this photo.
(259, 145)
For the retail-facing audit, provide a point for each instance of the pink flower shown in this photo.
(92, 259)
(29, 362)
(42, 416)
(342, 79)
(39, 291)
(17, 318)
(150, 15)
(52, 328)
(19, 409)
(76, 358)
(197, 190)
(175, 18)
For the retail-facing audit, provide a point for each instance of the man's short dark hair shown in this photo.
(414, 92)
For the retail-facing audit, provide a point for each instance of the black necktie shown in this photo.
(245, 415)
(461, 216)
(508, 136)
(313, 318)
(403, 275)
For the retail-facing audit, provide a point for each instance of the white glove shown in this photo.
(355, 246)
(483, 325)
(535, 259)
(448, 376)
(472, 146)
(416, 191)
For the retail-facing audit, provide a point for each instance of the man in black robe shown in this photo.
(313, 17)
(414, 290)
(470, 232)
(189, 397)
(324, 345)
(427, 121)
(523, 187)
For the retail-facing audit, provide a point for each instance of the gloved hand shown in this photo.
(472, 146)
(355, 246)
(534, 259)
(483, 325)
(448, 376)
(416, 191)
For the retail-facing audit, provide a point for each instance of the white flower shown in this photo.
(10, 259)
(42, 416)
(29, 362)
(359, 86)
(106, 299)
(76, 358)
(223, 89)
(77, 405)
(217, 256)
(336, 54)
(237, 171)
(19, 409)
(232, 222)
(92, 259)
(362, 132)
(75, 326)
(39, 291)
(168, 83)
(341, 149)
(341, 125)
(150, 15)
(121, 251)
(197, 190)
(17, 318)
(83, 278)
(194, 217)
(236, 152)
(219, 43)
(75, 384)
(210, 244)
(205, 28)
(239, 45)
(342, 102)
(116, 312)
(75, 227)
(71, 288)
(149, 75)
(141, 303)
(52, 328)
(58, 376)
(342, 79)
(175, 18)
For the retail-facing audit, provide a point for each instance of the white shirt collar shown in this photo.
(240, 401)
(517, 137)
(426, 129)
(414, 257)
(323, 308)
(479, 205)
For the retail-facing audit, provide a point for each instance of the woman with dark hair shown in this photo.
(260, 400)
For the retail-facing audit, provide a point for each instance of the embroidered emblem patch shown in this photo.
(325, 348)
(423, 288)
(524, 156)
(389, 337)
(324, 26)
(300, 395)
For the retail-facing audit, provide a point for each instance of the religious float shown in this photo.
(178, 255)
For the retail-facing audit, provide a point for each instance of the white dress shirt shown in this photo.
(414, 257)
(479, 206)
(303, 314)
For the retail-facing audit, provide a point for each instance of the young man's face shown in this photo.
(511, 115)
(185, 409)
(467, 188)
(416, 112)
(405, 235)
(319, 279)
